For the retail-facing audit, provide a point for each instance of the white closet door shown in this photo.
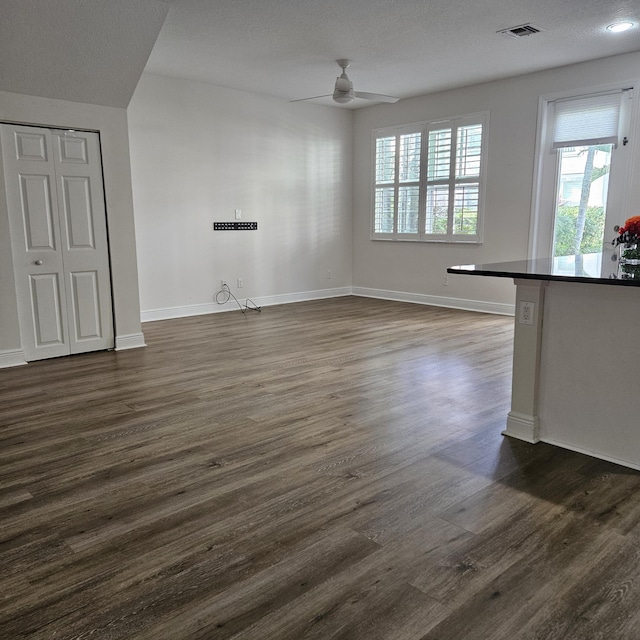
(85, 252)
(59, 240)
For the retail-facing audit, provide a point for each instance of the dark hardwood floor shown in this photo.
(322, 470)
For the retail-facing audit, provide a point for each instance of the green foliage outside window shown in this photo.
(465, 221)
(566, 221)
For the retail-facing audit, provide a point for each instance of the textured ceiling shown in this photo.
(95, 50)
(89, 51)
(288, 48)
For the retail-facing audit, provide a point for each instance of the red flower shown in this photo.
(629, 232)
(631, 226)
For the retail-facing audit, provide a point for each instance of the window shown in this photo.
(584, 162)
(429, 180)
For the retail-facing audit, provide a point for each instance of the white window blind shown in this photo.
(587, 120)
(397, 183)
(453, 179)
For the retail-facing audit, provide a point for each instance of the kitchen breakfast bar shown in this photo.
(576, 354)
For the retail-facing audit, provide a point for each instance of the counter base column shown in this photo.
(523, 422)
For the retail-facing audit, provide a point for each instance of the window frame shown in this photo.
(451, 182)
(545, 178)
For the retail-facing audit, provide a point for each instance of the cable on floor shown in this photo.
(224, 295)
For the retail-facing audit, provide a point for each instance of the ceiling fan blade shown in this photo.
(328, 95)
(378, 97)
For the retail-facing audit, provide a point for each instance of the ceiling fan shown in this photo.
(343, 91)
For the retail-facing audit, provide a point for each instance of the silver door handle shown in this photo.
(38, 262)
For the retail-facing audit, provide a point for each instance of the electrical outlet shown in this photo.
(329, 274)
(240, 283)
(525, 312)
(238, 214)
(223, 283)
(445, 282)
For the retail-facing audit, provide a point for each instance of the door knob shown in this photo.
(38, 262)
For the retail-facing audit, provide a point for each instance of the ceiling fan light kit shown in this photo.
(343, 92)
(344, 97)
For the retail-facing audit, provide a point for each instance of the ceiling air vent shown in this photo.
(521, 30)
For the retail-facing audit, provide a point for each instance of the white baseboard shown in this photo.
(302, 296)
(167, 313)
(12, 358)
(130, 341)
(571, 447)
(264, 301)
(182, 312)
(523, 427)
(437, 301)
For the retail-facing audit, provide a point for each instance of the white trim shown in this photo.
(534, 219)
(437, 301)
(480, 306)
(523, 427)
(591, 454)
(130, 341)
(303, 296)
(167, 313)
(12, 358)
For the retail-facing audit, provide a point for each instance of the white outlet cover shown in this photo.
(526, 312)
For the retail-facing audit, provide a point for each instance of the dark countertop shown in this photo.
(589, 268)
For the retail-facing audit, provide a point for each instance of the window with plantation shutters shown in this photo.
(428, 180)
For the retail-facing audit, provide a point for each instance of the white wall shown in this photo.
(382, 267)
(199, 152)
(111, 123)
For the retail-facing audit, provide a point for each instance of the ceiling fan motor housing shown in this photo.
(343, 91)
